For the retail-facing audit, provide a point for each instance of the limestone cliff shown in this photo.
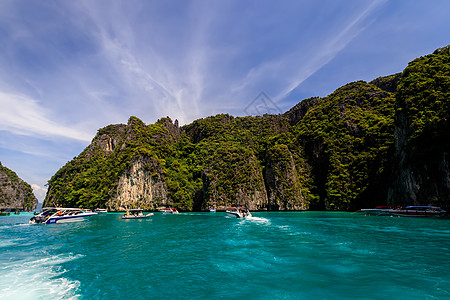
(296, 113)
(421, 173)
(347, 138)
(366, 144)
(14, 192)
(233, 177)
(282, 183)
(114, 172)
(140, 186)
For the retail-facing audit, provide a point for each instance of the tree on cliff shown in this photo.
(14, 192)
(332, 153)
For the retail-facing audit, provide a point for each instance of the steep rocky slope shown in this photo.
(421, 171)
(14, 192)
(366, 144)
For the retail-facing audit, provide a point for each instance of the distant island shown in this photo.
(385, 142)
(15, 194)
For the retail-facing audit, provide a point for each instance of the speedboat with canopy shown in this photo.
(419, 211)
(169, 210)
(136, 214)
(408, 211)
(53, 215)
(239, 212)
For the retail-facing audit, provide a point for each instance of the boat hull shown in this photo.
(67, 219)
(409, 211)
(239, 214)
(169, 211)
(376, 212)
(130, 217)
(58, 219)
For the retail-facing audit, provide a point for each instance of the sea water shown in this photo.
(272, 255)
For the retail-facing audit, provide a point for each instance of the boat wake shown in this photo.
(8, 243)
(11, 242)
(33, 279)
(8, 226)
(259, 220)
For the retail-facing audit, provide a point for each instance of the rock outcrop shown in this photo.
(366, 144)
(140, 186)
(282, 183)
(296, 113)
(420, 172)
(233, 177)
(14, 192)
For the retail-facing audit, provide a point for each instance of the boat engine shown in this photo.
(38, 219)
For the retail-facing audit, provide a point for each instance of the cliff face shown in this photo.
(420, 171)
(114, 171)
(346, 138)
(140, 186)
(366, 144)
(282, 183)
(246, 186)
(14, 192)
(296, 113)
(107, 141)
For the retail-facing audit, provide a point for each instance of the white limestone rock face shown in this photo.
(141, 186)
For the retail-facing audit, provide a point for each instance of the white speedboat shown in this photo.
(377, 211)
(53, 215)
(169, 210)
(408, 211)
(212, 209)
(136, 214)
(101, 210)
(239, 212)
(418, 211)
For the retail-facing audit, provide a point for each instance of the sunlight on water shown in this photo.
(8, 243)
(36, 278)
(283, 255)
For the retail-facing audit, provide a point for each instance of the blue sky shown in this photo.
(68, 68)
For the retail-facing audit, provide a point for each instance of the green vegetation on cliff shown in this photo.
(331, 153)
(424, 92)
(421, 171)
(14, 192)
(349, 133)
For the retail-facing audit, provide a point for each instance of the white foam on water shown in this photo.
(263, 221)
(38, 279)
(9, 242)
(22, 224)
(8, 226)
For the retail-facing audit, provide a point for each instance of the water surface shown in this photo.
(282, 255)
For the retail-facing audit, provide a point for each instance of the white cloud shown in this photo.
(162, 63)
(69, 68)
(23, 115)
(39, 192)
(304, 61)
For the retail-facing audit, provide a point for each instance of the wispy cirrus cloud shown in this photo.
(68, 68)
(158, 73)
(302, 61)
(24, 116)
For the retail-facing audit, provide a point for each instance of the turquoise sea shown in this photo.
(273, 255)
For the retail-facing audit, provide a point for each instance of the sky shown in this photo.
(69, 68)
